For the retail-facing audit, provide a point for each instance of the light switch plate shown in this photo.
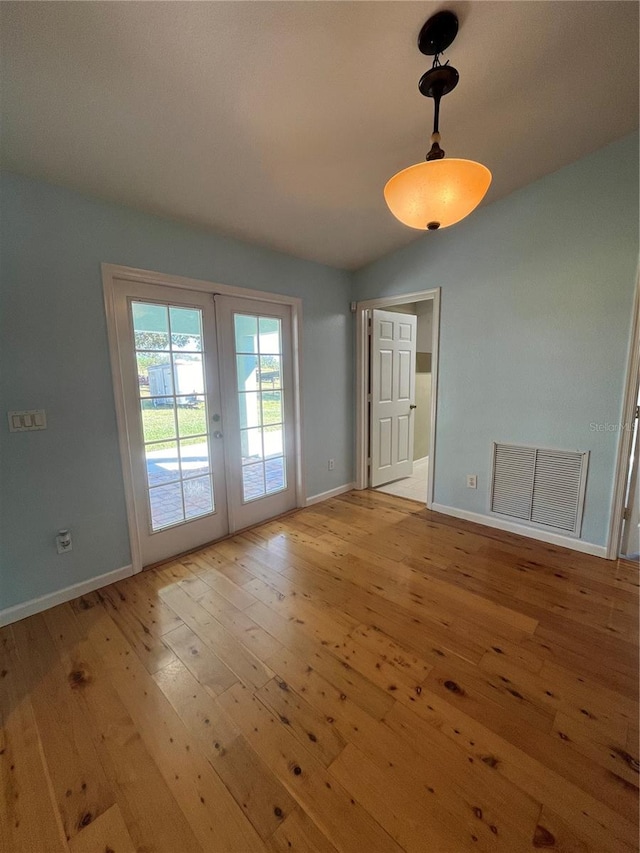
(27, 421)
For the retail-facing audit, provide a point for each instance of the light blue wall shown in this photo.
(537, 294)
(54, 356)
(536, 301)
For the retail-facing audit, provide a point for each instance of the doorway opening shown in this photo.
(396, 375)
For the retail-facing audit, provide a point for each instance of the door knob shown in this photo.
(413, 406)
(217, 434)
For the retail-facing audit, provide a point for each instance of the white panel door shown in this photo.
(393, 380)
(169, 368)
(258, 408)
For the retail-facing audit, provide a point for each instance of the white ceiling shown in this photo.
(280, 122)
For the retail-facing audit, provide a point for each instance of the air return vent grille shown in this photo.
(542, 487)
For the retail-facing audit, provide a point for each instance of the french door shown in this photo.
(207, 399)
(256, 384)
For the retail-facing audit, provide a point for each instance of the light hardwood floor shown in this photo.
(361, 676)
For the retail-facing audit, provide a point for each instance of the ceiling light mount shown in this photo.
(440, 192)
(438, 81)
(438, 33)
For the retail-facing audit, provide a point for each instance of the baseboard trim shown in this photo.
(332, 493)
(523, 530)
(60, 596)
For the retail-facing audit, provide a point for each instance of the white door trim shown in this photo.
(630, 401)
(363, 311)
(112, 273)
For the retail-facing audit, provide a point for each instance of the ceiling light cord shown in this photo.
(436, 83)
(435, 152)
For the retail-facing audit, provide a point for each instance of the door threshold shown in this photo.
(390, 483)
(221, 539)
(378, 491)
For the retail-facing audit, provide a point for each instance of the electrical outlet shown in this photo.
(63, 541)
(472, 481)
(332, 464)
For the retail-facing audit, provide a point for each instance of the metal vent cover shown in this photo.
(541, 486)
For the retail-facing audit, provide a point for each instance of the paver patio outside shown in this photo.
(166, 491)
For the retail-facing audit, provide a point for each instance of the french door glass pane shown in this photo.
(270, 336)
(251, 445)
(158, 418)
(247, 372)
(173, 406)
(155, 376)
(194, 457)
(246, 332)
(270, 372)
(150, 326)
(166, 505)
(163, 465)
(271, 407)
(258, 344)
(253, 482)
(192, 417)
(273, 441)
(198, 497)
(188, 377)
(275, 475)
(249, 403)
(186, 334)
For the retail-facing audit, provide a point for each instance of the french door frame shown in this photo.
(363, 314)
(113, 273)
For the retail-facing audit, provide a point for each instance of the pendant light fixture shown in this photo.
(439, 192)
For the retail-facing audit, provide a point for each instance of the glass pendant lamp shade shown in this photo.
(437, 193)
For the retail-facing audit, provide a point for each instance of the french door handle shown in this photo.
(217, 434)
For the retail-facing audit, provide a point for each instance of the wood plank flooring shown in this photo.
(362, 676)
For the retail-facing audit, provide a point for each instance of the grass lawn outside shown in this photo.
(159, 425)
